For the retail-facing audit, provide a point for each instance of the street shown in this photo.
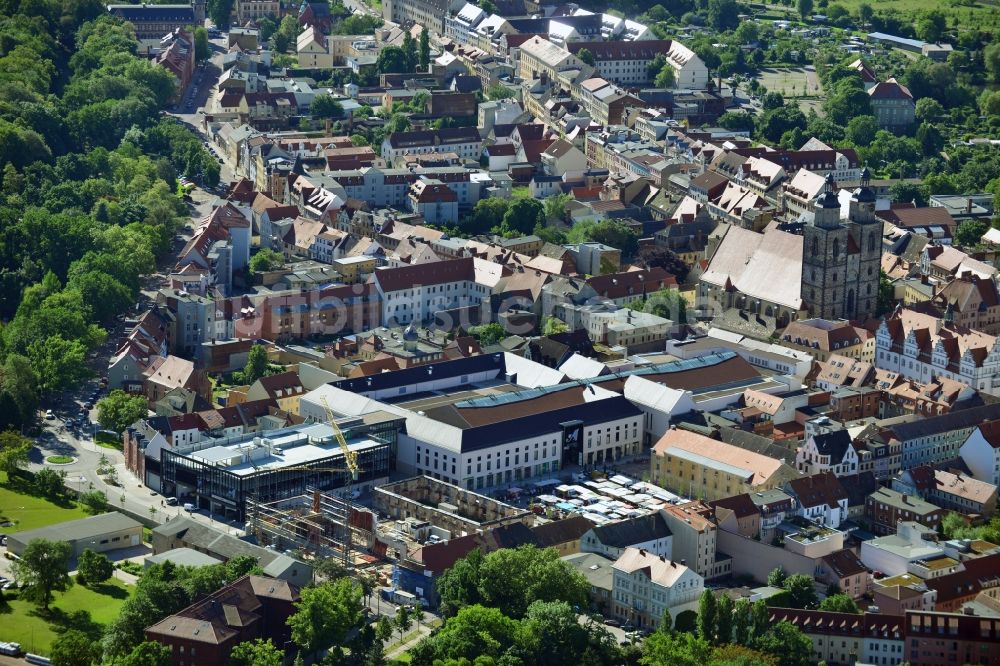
(82, 475)
(359, 6)
(199, 99)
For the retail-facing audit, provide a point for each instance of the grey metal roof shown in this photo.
(966, 418)
(81, 530)
(215, 542)
(625, 533)
(186, 557)
(597, 569)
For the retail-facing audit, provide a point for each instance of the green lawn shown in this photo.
(59, 460)
(27, 511)
(106, 441)
(78, 608)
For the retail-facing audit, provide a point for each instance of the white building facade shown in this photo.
(646, 585)
(981, 452)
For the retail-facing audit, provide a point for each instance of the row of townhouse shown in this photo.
(921, 346)
(398, 295)
(382, 187)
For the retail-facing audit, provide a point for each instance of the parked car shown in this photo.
(10, 649)
(49, 415)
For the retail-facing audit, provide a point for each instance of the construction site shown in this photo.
(453, 510)
(317, 526)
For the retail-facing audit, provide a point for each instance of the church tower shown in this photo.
(866, 231)
(198, 6)
(825, 250)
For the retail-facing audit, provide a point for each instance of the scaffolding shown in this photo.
(317, 525)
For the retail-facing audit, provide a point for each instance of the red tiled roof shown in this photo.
(618, 285)
(990, 430)
(918, 217)
(534, 148)
(823, 488)
(282, 384)
(502, 149)
(438, 272)
(890, 89)
(741, 505)
(621, 50)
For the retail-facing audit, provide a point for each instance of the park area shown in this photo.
(800, 83)
(85, 609)
(21, 509)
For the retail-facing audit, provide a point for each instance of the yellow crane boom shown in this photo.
(350, 457)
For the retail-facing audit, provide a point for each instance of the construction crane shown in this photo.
(350, 457)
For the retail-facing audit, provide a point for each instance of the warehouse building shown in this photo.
(103, 533)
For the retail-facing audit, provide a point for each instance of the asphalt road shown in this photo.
(358, 5)
(82, 475)
(200, 97)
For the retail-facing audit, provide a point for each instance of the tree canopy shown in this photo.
(42, 569)
(258, 652)
(74, 648)
(94, 567)
(325, 106)
(839, 603)
(14, 448)
(510, 580)
(614, 233)
(325, 613)
(118, 410)
(549, 634)
(81, 123)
